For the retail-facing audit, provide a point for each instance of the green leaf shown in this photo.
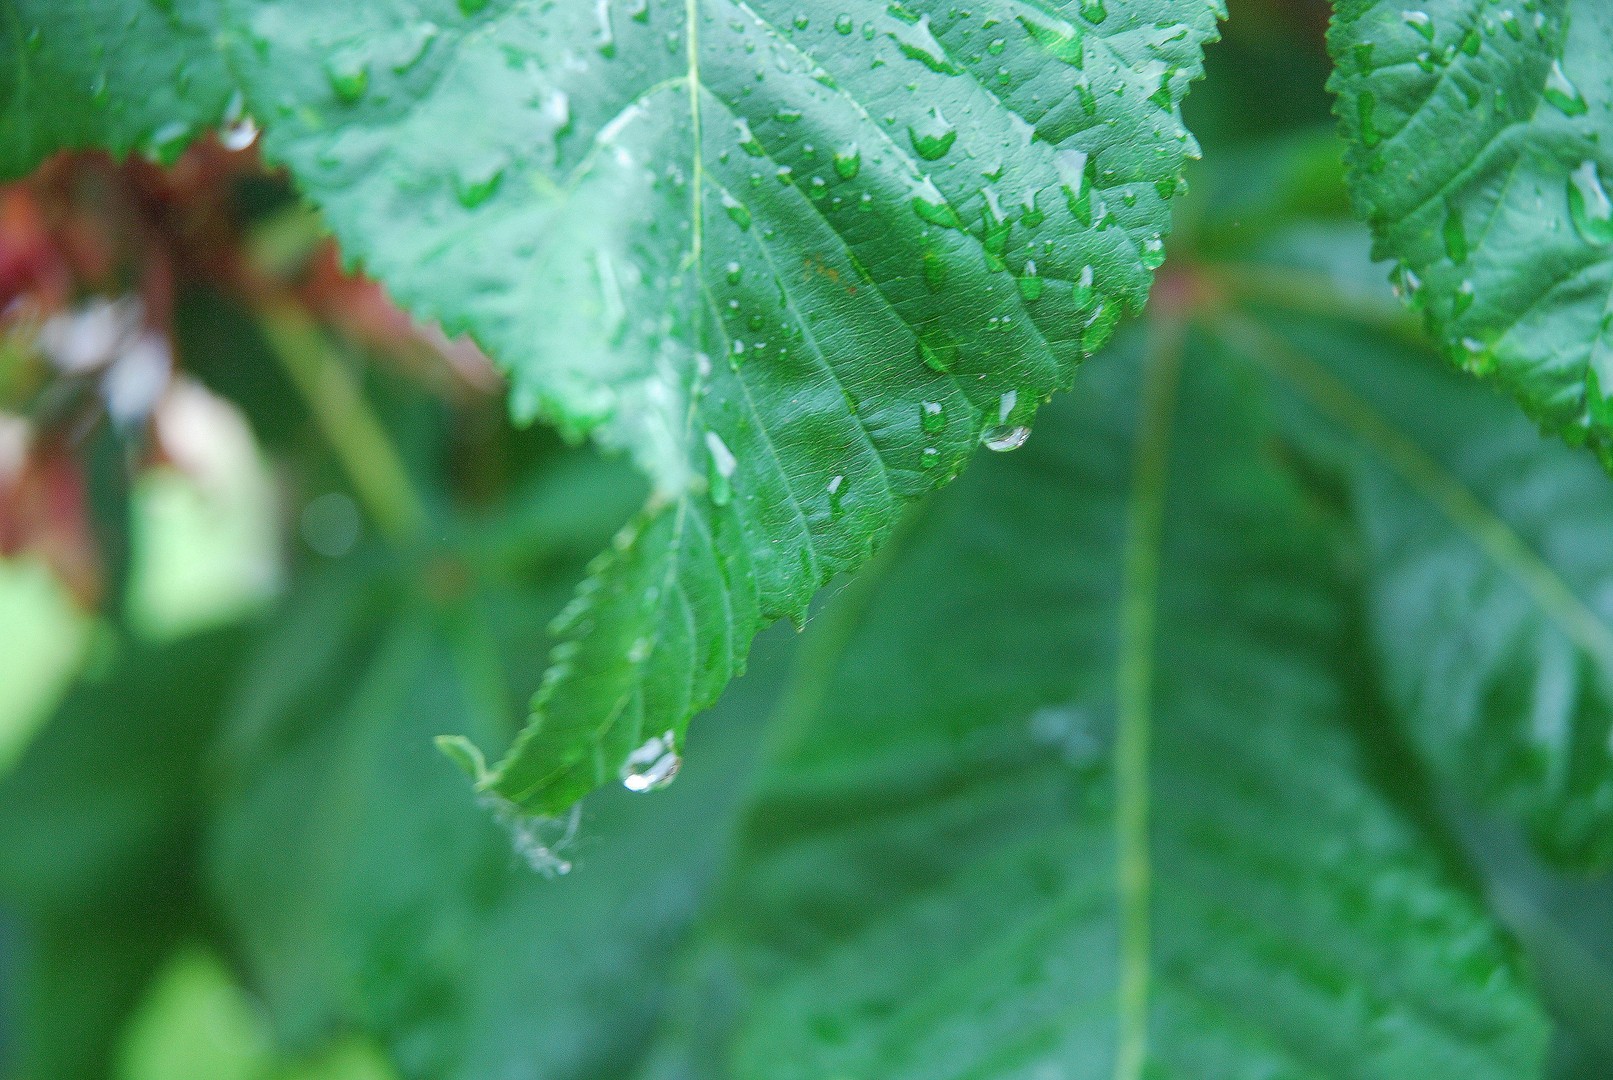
(119, 75)
(1082, 797)
(1481, 149)
(100, 820)
(795, 260)
(1490, 592)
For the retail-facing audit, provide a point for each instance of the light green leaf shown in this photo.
(795, 259)
(1490, 589)
(119, 75)
(1082, 798)
(1481, 152)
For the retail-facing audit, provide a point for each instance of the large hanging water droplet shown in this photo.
(1588, 204)
(653, 765)
(1562, 93)
(720, 475)
(918, 42)
(933, 135)
(239, 130)
(1004, 436)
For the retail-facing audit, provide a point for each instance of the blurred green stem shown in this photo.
(336, 400)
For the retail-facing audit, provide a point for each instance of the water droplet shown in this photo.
(935, 270)
(844, 23)
(931, 417)
(1073, 168)
(736, 211)
(837, 494)
(1366, 106)
(1030, 284)
(472, 7)
(931, 206)
(932, 136)
(653, 765)
(1063, 40)
(848, 162)
(166, 142)
(349, 76)
(734, 273)
(1094, 11)
(1455, 235)
(1407, 285)
(474, 187)
(1084, 291)
(1562, 93)
(239, 130)
(747, 141)
(606, 41)
(1463, 299)
(723, 466)
(1005, 437)
(788, 116)
(917, 42)
(1421, 22)
(1588, 204)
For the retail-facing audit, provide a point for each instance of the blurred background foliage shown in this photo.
(254, 517)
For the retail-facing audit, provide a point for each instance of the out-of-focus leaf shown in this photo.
(100, 823)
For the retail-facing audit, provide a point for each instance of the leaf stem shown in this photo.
(1135, 676)
(361, 443)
